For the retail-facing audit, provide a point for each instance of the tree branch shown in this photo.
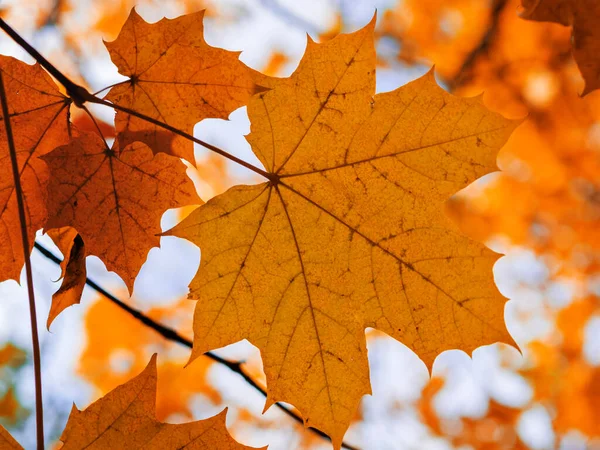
(174, 336)
(39, 409)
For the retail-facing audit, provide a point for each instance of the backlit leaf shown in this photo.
(38, 115)
(115, 198)
(349, 233)
(174, 77)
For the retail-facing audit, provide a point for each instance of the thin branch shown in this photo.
(76, 92)
(174, 336)
(80, 95)
(35, 342)
(241, 162)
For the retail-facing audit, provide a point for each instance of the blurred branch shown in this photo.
(290, 17)
(53, 17)
(464, 73)
(174, 336)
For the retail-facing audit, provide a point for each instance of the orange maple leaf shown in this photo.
(115, 198)
(174, 77)
(350, 231)
(7, 441)
(39, 119)
(73, 270)
(125, 418)
(584, 17)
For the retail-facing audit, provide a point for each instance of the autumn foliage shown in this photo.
(371, 211)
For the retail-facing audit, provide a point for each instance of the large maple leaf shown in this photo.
(115, 198)
(584, 17)
(349, 232)
(174, 77)
(39, 120)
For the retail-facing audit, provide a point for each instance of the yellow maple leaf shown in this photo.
(349, 232)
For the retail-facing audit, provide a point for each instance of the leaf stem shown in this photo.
(39, 409)
(80, 95)
(172, 335)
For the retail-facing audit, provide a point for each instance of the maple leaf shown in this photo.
(7, 441)
(174, 77)
(73, 269)
(583, 16)
(39, 119)
(125, 418)
(349, 233)
(115, 198)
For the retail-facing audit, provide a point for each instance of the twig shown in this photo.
(269, 176)
(39, 408)
(172, 335)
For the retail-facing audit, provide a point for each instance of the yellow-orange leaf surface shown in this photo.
(7, 441)
(174, 77)
(38, 115)
(584, 17)
(350, 233)
(115, 199)
(125, 418)
(74, 273)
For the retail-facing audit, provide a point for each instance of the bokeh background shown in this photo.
(542, 211)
